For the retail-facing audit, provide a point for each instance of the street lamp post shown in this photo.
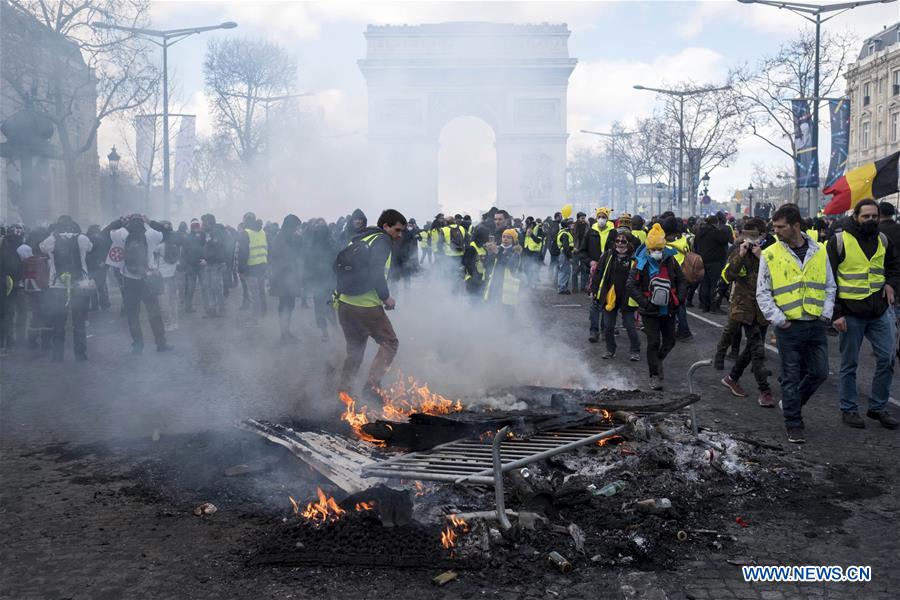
(659, 195)
(114, 158)
(681, 94)
(816, 10)
(750, 200)
(165, 38)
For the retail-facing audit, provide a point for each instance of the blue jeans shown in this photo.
(609, 327)
(803, 348)
(880, 333)
(212, 288)
(563, 273)
(683, 327)
(595, 315)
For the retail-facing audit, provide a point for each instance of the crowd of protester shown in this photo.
(788, 280)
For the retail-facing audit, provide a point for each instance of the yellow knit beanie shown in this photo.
(656, 238)
(512, 233)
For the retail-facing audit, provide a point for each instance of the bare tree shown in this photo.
(767, 88)
(238, 72)
(642, 153)
(74, 60)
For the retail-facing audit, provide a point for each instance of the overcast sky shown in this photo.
(617, 44)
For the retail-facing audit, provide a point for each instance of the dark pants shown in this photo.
(60, 304)
(580, 274)
(754, 353)
(359, 324)
(322, 308)
(609, 329)
(660, 332)
(191, 280)
(803, 348)
(100, 297)
(731, 338)
(681, 316)
(137, 291)
(711, 275)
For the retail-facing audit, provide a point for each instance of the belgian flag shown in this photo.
(873, 180)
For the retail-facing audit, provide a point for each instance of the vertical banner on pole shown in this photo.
(184, 150)
(145, 146)
(806, 161)
(839, 110)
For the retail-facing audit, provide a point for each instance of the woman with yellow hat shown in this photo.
(657, 285)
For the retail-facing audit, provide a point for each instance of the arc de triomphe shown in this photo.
(514, 77)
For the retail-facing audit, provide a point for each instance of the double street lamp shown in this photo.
(681, 95)
(165, 38)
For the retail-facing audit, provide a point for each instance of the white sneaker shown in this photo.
(780, 407)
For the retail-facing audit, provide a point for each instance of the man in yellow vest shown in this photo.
(362, 313)
(867, 270)
(795, 291)
(253, 259)
(598, 239)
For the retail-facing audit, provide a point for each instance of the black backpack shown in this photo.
(137, 259)
(353, 267)
(67, 257)
(457, 239)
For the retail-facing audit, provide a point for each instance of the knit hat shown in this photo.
(512, 233)
(625, 220)
(602, 211)
(195, 224)
(656, 239)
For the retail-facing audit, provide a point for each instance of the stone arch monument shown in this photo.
(514, 77)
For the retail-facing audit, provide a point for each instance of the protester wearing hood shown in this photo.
(711, 243)
(503, 264)
(141, 282)
(406, 256)
(70, 287)
(192, 261)
(657, 285)
(362, 313)
(287, 273)
(867, 269)
(355, 223)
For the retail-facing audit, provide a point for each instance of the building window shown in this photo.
(866, 93)
(880, 130)
(895, 126)
(864, 136)
(880, 85)
(896, 83)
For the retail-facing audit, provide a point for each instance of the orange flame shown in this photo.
(294, 504)
(357, 419)
(404, 397)
(361, 506)
(611, 439)
(448, 537)
(449, 533)
(324, 511)
(459, 522)
(420, 489)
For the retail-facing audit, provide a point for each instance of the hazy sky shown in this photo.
(617, 44)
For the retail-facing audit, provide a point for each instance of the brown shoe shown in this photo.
(765, 400)
(734, 386)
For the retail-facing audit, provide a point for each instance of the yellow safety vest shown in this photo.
(603, 233)
(532, 240)
(367, 299)
(796, 291)
(435, 237)
(509, 292)
(479, 261)
(641, 235)
(559, 237)
(859, 277)
(682, 245)
(813, 234)
(448, 248)
(631, 301)
(259, 248)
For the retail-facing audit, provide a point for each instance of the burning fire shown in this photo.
(357, 419)
(613, 439)
(420, 489)
(361, 506)
(325, 510)
(408, 396)
(449, 534)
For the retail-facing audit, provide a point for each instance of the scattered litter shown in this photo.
(207, 508)
(560, 562)
(444, 578)
(610, 489)
(577, 537)
(653, 506)
(741, 522)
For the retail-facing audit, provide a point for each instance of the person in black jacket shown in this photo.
(97, 267)
(10, 276)
(192, 263)
(363, 315)
(319, 250)
(473, 262)
(286, 273)
(614, 268)
(711, 243)
(656, 283)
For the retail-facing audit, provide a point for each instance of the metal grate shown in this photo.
(472, 461)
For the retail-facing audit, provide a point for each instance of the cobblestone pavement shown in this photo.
(70, 434)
